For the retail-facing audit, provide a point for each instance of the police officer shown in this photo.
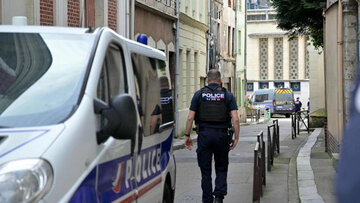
(298, 105)
(166, 100)
(212, 107)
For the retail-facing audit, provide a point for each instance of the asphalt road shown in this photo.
(240, 175)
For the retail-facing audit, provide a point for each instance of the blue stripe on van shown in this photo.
(114, 179)
(41, 133)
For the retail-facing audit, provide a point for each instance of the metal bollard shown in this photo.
(256, 177)
(260, 139)
(277, 135)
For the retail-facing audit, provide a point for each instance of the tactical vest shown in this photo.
(167, 107)
(213, 105)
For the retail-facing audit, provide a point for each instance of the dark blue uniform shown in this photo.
(298, 105)
(213, 139)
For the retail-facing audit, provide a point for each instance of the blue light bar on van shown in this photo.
(142, 38)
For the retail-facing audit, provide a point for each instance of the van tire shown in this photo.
(167, 194)
(287, 115)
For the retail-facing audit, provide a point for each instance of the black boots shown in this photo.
(218, 200)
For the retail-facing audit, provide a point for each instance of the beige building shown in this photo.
(341, 64)
(227, 60)
(240, 48)
(192, 54)
(317, 79)
(274, 60)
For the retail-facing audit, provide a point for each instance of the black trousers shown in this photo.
(213, 142)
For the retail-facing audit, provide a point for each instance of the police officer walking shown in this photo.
(298, 105)
(212, 108)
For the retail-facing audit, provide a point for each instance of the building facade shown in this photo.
(193, 29)
(157, 19)
(227, 59)
(240, 48)
(341, 65)
(274, 60)
(72, 13)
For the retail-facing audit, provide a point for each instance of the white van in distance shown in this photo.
(85, 116)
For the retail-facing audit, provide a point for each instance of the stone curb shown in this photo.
(305, 175)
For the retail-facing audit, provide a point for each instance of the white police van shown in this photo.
(81, 118)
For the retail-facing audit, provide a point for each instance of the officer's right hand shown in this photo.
(188, 143)
(233, 144)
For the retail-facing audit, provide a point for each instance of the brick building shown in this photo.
(72, 13)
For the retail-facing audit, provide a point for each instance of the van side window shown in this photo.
(112, 81)
(261, 97)
(148, 92)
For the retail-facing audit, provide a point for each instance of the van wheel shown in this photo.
(167, 194)
(287, 115)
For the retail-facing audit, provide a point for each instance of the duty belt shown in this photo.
(224, 130)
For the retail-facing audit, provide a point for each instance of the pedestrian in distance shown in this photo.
(298, 105)
(212, 108)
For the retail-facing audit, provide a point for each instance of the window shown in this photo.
(153, 93)
(187, 99)
(295, 86)
(279, 85)
(90, 13)
(250, 87)
(263, 85)
(256, 17)
(112, 81)
(239, 42)
(229, 38)
(233, 42)
(32, 93)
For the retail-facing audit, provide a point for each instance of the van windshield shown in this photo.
(41, 77)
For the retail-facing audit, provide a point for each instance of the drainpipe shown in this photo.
(177, 76)
(127, 19)
(208, 38)
(235, 50)
(132, 20)
(340, 68)
(245, 56)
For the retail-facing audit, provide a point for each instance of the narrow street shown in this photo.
(240, 175)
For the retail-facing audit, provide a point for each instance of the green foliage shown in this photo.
(301, 17)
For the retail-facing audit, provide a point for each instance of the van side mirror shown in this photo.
(121, 118)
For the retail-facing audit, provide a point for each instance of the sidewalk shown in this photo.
(303, 172)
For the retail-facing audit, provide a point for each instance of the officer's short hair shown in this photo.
(213, 75)
(164, 82)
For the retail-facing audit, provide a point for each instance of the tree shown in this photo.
(301, 17)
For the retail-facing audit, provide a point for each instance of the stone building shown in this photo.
(193, 29)
(341, 65)
(240, 48)
(227, 59)
(72, 13)
(274, 60)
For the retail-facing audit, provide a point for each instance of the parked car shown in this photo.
(81, 118)
(278, 101)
